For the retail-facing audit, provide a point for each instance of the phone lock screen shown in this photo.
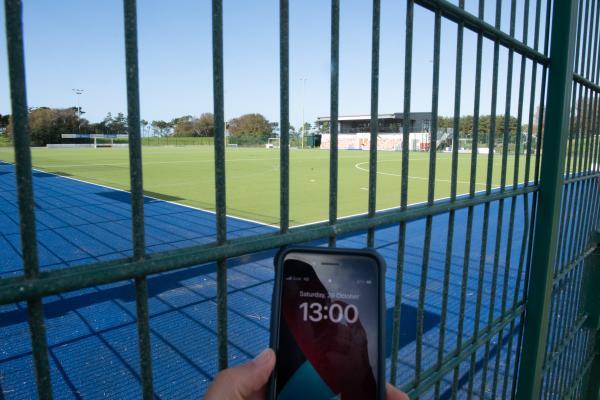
(328, 327)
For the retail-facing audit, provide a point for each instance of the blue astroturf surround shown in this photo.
(92, 332)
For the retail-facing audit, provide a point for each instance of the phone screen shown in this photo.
(329, 322)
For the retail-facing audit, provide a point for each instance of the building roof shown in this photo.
(356, 117)
(367, 117)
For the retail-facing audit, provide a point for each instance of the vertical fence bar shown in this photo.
(574, 284)
(500, 215)
(583, 115)
(590, 104)
(403, 190)
(536, 169)
(137, 191)
(596, 74)
(550, 188)
(530, 122)
(509, 77)
(430, 194)
(524, 241)
(594, 128)
(333, 115)
(492, 300)
(572, 203)
(374, 118)
(565, 295)
(565, 229)
(595, 167)
(457, 97)
(516, 293)
(488, 190)
(582, 235)
(453, 182)
(220, 196)
(565, 215)
(284, 116)
(594, 132)
(472, 185)
(513, 206)
(20, 119)
(492, 133)
(541, 130)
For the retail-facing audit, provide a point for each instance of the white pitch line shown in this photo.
(357, 166)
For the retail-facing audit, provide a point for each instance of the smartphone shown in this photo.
(327, 325)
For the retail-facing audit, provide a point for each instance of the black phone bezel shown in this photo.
(276, 305)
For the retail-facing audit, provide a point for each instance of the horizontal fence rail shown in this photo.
(521, 326)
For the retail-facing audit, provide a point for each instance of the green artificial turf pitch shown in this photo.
(186, 175)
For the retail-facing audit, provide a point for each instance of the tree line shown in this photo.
(47, 125)
(466, 126)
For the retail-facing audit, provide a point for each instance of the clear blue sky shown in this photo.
(79, 44)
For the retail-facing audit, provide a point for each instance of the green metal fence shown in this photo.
(555, 292)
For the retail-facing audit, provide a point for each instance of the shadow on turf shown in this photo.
(125, 197)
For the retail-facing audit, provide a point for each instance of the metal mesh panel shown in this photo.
(570, 346)
(494, 293)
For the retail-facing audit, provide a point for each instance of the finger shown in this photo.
(252, 376)
(243, 381)
(393, 393)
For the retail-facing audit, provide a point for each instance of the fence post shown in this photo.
(537, 307)
(592, 307)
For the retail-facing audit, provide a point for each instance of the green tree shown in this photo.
(445, 123)
(116, 124)
(250, 129)
(466, 124)
(191, 126)
(161, 128)
(46, 125)
(182, 126)
(205, 125)
(4, 120)
(306, 128)
(323, 126)
(144, 125)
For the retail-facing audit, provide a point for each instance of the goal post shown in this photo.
(272, 143)
(105, 140)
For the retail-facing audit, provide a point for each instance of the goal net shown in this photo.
(272, 143)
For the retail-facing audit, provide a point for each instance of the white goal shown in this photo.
(272, 143)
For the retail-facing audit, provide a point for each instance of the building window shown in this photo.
(426, 125)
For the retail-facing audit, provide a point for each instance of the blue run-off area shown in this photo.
(92, 334)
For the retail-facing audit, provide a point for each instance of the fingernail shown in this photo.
(263, 356)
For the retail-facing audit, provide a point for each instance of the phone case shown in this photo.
(275, 305)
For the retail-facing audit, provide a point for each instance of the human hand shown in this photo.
(243, 382)
(249, 381)
(393, 393)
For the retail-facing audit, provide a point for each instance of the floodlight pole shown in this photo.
(303, 126)
(78, 92)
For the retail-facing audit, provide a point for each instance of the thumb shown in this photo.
(244, 381)
(252, 376)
